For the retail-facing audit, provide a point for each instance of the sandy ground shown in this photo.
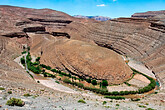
(140, 67)
(59, 87)
(141, 78)
(138, 81)
(122, 87)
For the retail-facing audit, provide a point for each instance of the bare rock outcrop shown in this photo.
(82, 59)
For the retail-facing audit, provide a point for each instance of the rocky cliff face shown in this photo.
(139, 38)
(45, 29)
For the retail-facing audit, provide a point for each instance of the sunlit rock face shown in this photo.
(81, 58)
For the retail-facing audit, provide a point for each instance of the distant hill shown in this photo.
(149, 14)
(98, 18)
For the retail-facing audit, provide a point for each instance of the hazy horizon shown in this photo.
(107, 8)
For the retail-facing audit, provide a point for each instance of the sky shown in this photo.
(108, 8)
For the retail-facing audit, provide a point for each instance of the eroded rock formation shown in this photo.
(138, 38)
(81, 58)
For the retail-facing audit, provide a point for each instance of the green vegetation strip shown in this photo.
(1, 88)
(36, 68)
(16, 102)
(23, 52)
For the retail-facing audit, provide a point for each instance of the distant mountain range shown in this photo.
(98, 18)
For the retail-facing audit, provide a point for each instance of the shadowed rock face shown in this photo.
(81, 58)
(16, 19)
(138, 38)
(34, 29)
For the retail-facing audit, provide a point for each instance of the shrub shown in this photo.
(16, 102)
(23, 52)
(45, 75)
(155, 92)
(28, 57)
(122, 93)
(104, 102)
(54, 70)
(67, 81)
(31, 76)
(94, 82)
(78, 84)
(22, 60)
(48, 68)
(57, 82)
(49, 75)
(28, 48)
(37, 59)
(35, 96)
(1, 88)
(27, 95)
(117, 105)
(36, 70)
(81, 101)
(43, 66)
(142, 106)
(135, 99)
(104, 83)
(147, 104)
(126, 92)
(88, 80)
(9, 92)
(69, 75)
(36, 63)
(115, 93)
(60, 75)
(74, 77)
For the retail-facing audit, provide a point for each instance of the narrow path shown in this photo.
(139, 67)
(59, 87)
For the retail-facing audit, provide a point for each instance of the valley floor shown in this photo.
(59, 97)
